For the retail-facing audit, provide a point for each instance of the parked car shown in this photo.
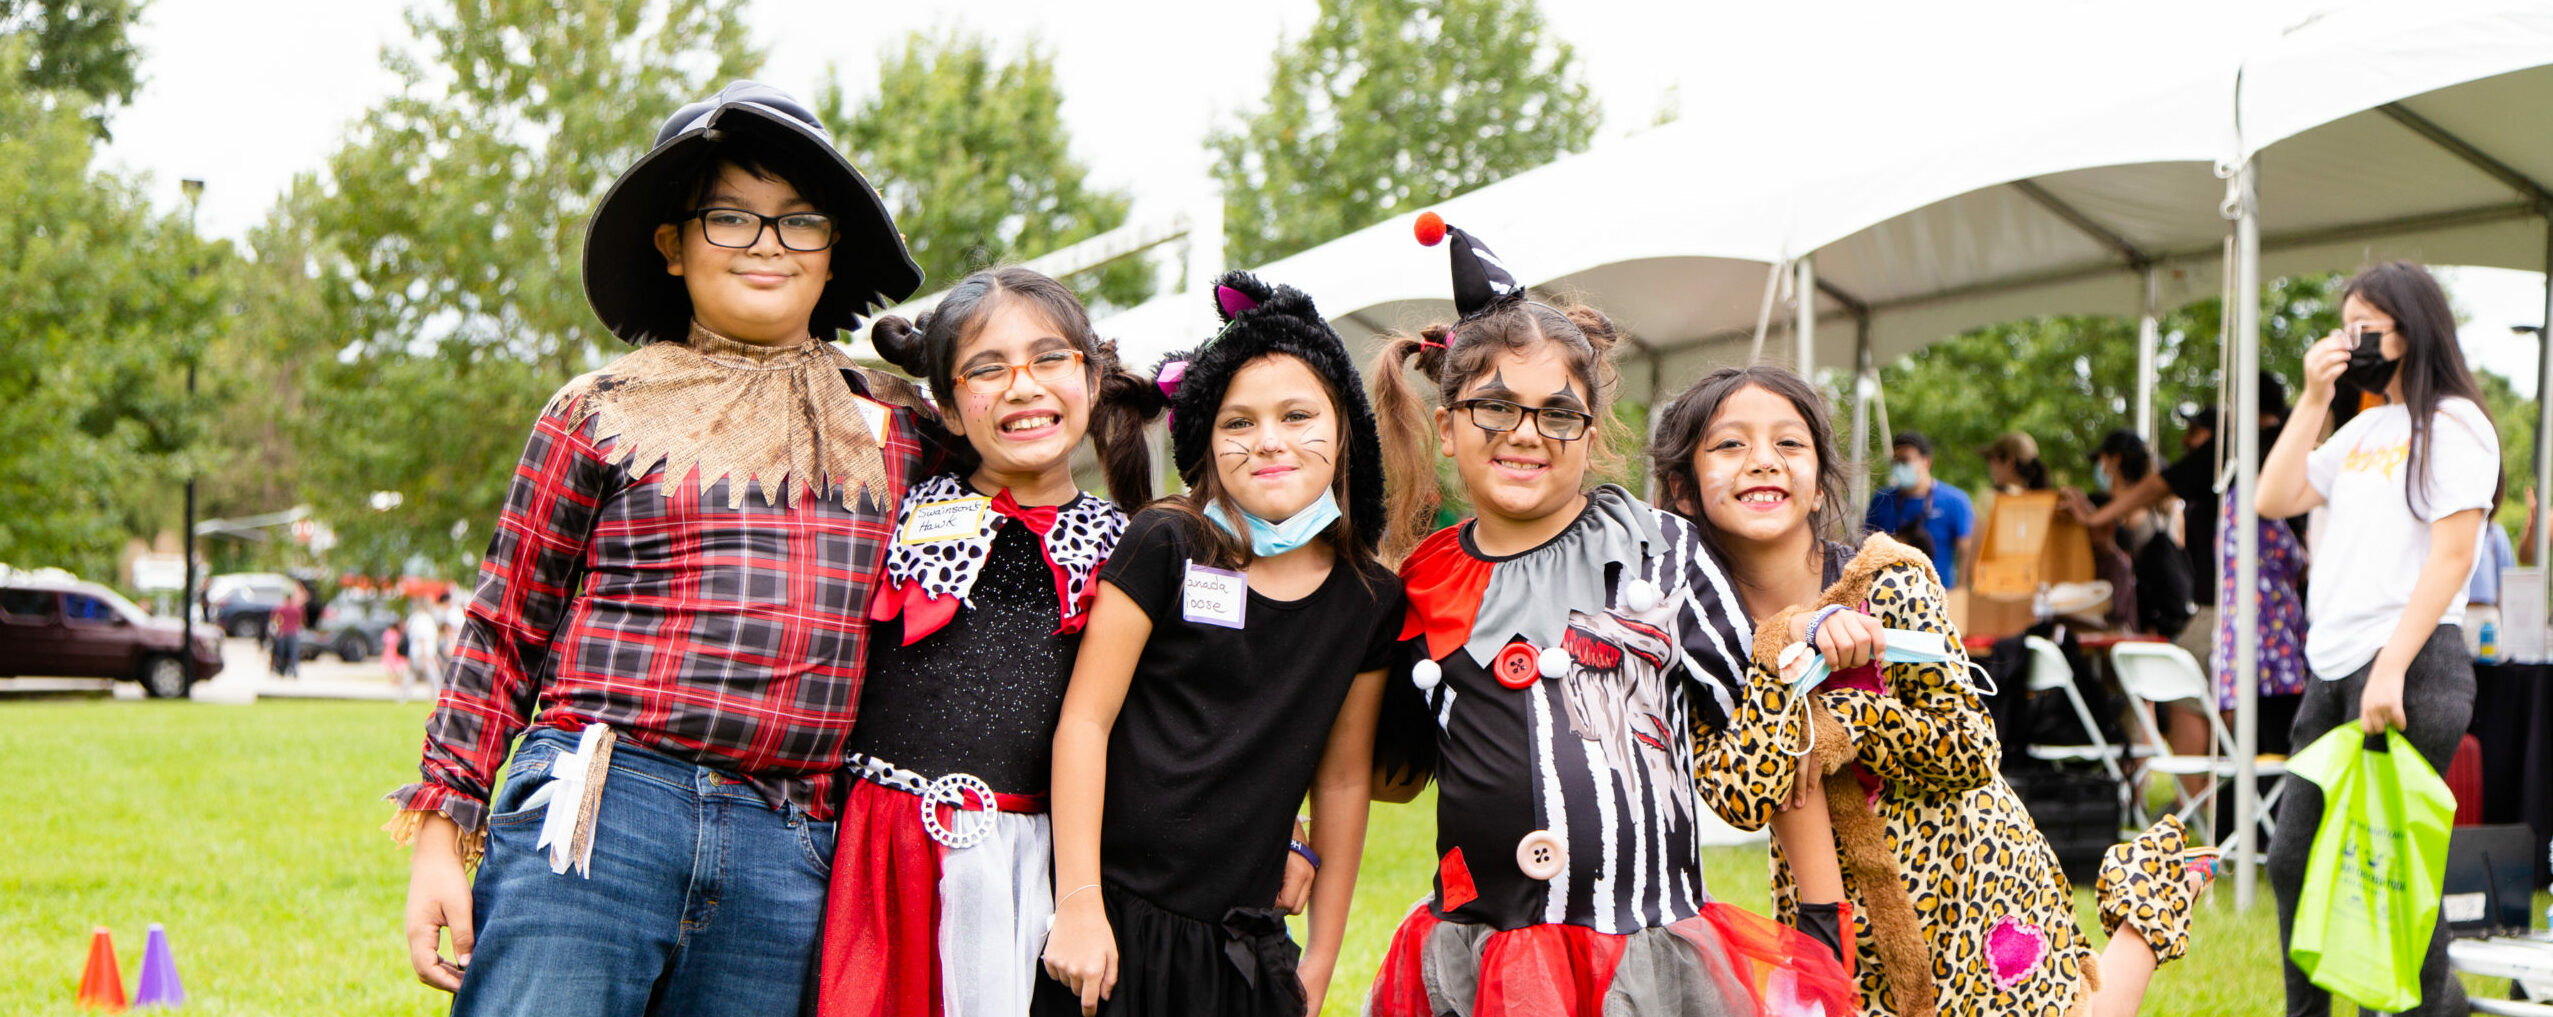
(351, 626)
(244, 602)
(55, 627)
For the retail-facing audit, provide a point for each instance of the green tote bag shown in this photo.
(2370, 900)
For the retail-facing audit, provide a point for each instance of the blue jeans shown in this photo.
(704, 899)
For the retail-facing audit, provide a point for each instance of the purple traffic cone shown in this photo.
(158, 984)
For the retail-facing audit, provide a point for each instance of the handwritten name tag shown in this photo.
(1213, 596)
(945, 520)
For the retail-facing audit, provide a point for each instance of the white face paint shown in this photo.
(1755, 468)
(1275, 438)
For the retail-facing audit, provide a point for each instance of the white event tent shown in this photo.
(1927, 173)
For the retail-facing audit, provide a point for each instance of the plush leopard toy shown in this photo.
(1958, 903)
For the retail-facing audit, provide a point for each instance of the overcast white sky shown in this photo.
(246, 93)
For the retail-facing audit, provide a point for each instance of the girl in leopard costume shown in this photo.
(1953, 901)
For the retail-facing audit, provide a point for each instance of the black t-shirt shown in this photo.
(2192, 478)
(983, 694)
(1222, 728)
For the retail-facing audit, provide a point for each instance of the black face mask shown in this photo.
(2368, 369)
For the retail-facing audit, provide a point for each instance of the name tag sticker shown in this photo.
(1213, 596)
(945, 520)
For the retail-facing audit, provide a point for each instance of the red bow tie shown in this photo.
(1040, 519)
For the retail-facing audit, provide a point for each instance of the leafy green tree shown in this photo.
(450, 234)
(2514, 417)
(1390, 105)
(972, 157)
(103, 301)
(75, 50)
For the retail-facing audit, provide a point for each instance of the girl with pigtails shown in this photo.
(940, 891)
(1858, 742)
(1233, 662)
(1574, 649)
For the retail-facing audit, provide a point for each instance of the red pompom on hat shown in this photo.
(1431, 228)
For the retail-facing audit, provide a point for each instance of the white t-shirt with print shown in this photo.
(2368, 557)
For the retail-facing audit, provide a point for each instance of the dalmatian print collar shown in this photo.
(1086, 529)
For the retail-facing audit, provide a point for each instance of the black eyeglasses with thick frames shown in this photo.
(1553, 422)
(738, 228)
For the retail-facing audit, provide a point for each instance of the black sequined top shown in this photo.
(981, 695)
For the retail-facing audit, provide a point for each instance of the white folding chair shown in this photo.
(2158, 673)
(2049, 672)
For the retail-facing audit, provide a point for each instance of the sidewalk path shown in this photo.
(244, 679)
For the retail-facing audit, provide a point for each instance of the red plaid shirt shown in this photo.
(734, 638)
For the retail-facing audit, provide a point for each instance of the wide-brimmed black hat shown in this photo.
(1259, 320)
(625, 277)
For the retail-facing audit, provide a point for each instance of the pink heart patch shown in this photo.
(2013, 948)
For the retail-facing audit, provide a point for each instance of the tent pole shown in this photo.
(1863, 383)
(2246, 605)
(1764, 311)
(2544, 385)
(1804, 334)
(1657, 412)
(2148, 335)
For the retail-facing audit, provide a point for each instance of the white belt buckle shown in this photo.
(972, 825)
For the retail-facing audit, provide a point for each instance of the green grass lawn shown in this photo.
(252, 834)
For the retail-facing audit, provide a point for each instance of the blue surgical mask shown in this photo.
(1268, 539)
(1901, 475)
(1903, 646)
(2100, 476)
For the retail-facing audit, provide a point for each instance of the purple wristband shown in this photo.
(1823, 613)
(1301, 848)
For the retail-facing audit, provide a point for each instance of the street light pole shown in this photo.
(194, 190)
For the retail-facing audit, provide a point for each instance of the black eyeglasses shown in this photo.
(738, 228)
(1553, 422)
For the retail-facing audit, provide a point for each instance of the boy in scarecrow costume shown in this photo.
(668, 633)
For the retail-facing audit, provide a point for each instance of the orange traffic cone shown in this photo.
(101, 985)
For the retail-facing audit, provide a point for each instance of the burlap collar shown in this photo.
(781, 417)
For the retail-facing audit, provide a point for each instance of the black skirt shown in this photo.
(1172, 965)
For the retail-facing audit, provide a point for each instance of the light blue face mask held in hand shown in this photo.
(1898, 646)
(1268, 539)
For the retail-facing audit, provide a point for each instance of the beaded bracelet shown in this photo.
(1815, 620)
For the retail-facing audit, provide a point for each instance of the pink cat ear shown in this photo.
(1232, 301)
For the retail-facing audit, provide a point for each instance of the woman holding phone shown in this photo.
(2409, 484)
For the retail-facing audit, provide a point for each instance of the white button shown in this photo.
(1425, 674)
(1554, 662)
(1640, 595)
(1541, 855)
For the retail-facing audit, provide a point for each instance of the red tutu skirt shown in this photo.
(1724, 961)
(916, 929)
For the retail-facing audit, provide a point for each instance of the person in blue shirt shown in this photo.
(1935, 518)
(2482, 592)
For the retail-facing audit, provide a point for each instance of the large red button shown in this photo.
(1518, 666)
